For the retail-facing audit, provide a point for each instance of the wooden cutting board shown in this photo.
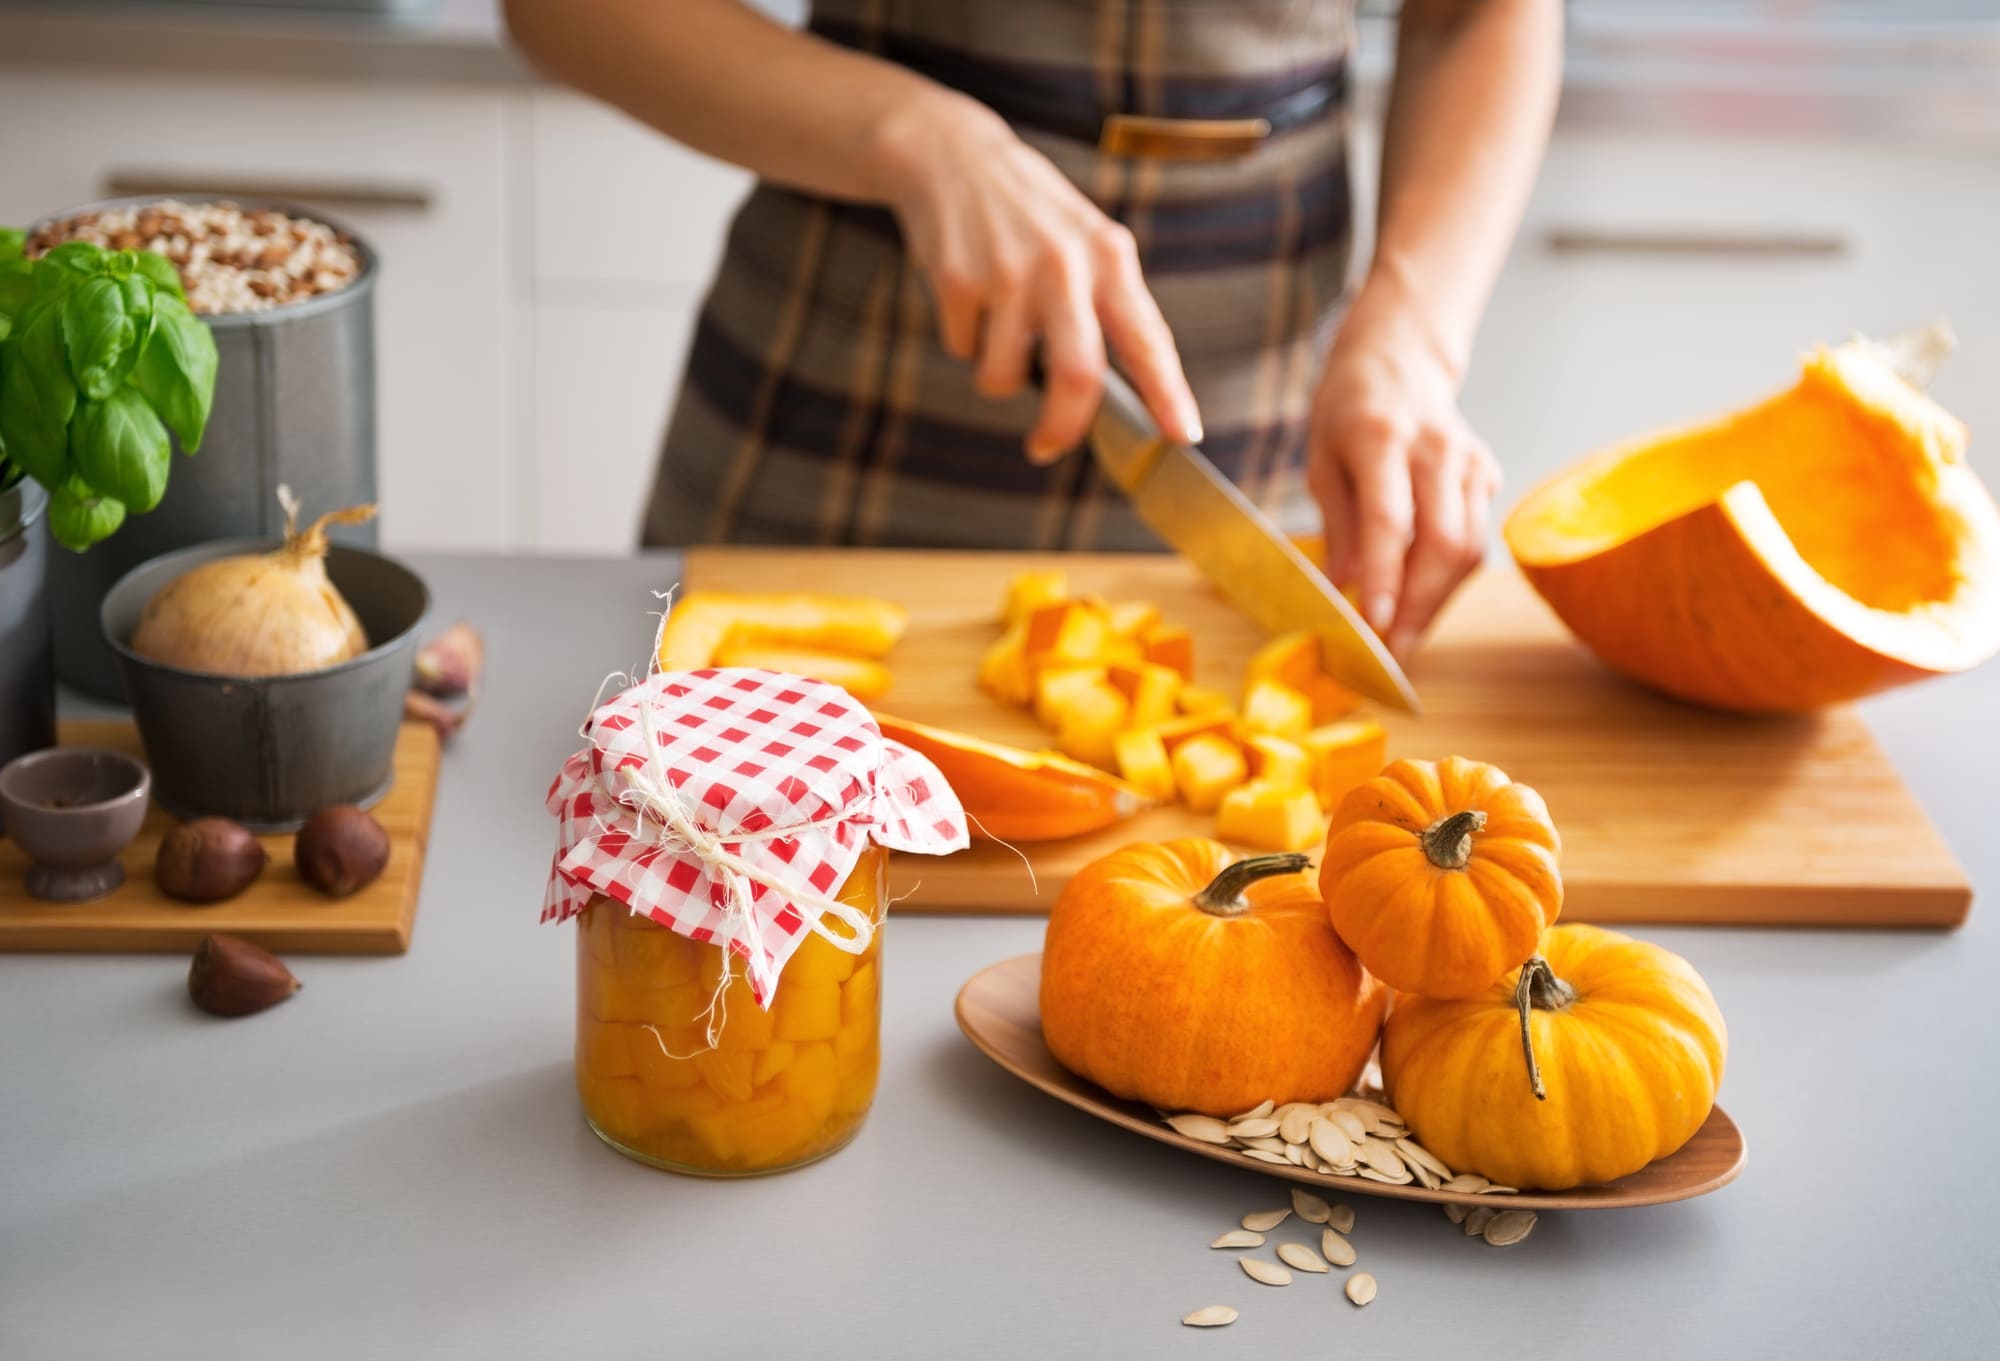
(279, 911)
(1668, 813)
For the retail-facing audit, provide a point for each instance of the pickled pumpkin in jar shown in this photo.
(778, 1088)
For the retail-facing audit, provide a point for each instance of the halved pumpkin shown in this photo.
(1826, 543)
(1012, 794)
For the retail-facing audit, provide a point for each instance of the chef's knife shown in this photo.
(1201, 514)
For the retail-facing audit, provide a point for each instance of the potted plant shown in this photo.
(99, 358)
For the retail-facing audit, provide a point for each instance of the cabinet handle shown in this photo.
(1681, 241)
(358, 194)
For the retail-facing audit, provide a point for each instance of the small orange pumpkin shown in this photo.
(1441, 876)
(1176, 975)
(1597, 1056)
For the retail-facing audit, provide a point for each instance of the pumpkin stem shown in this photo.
(1224, 895)
(1448, 841)
(1539, 989)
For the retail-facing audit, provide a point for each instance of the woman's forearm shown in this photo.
(1475, 92)
(724, 79)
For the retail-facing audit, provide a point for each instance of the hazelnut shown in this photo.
(232, 977)
(207, 860)
(341, 850)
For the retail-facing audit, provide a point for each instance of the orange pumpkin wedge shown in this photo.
(1012, 794)
(702, 622)
(1826, 543)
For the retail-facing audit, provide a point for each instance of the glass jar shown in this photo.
(779, 1088)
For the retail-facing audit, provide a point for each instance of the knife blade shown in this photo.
(1200, 513)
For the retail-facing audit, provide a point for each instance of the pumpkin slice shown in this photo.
(1270, 815)
(1017, 795)
(860, 677)
(702, 621)
(1826, 543)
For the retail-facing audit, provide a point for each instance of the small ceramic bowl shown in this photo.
(72, 809)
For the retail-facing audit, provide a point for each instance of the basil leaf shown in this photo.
(80, 517)
(37, 396)
(67, 263)
(120, 448)
(161, 271)
(17, 286)
(13, 244)
(176, 370)
(101, 333)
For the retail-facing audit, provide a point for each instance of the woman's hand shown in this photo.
(1403, 482)
(1020, 261)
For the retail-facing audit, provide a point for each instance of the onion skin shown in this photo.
(262, 614)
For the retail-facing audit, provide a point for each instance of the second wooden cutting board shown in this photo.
(1668, 813)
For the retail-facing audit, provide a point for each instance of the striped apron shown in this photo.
(818, 406)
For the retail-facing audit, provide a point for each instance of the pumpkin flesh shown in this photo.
(1012, 794)
(1823, 544)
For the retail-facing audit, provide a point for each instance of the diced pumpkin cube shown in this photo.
(1170, 645)
(727, 1074)
(807, 1011)
(818, 960)
(1278, 761)
(1202, 699)
(1131, 618)
(744, 1024)
(1004, 672)
(1064, 634)
(861, 998)
(773, 1138)
(684, 1004)
(1149, 688)
(608, 999)
(616, 1105)
(1030, 591)
(647, 955)
(605, 1048)
(1291, 659)
(1052, 687)
(1343, 755)
(1330, 699)
(1176, 731)
(1143, 763)
(1271, 817)
(812, 1082)
(860, 677)
(1277, 709)
(663, 1056)
(1205, 768)
(721, 1129)
(773, 1061)
(1088, 718)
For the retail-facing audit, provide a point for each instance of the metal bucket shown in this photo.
(294, 404)
(27, 679)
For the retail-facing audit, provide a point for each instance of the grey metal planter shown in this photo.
(294, 404)
(27, 674)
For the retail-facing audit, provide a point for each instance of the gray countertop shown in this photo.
(393, 1165)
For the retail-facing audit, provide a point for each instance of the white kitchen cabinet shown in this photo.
(605, 378)
(422, 174)
(1661, 278)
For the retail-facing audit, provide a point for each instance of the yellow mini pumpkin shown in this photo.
(1176, 975)
(1599, 1055)
(1441, 875)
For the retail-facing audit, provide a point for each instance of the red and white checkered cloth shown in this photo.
(796, 768)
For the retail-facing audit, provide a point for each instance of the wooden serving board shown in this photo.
(279, 911)
(1669, 813)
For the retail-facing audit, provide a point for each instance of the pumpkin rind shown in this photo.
(1824, 544)
(1012, 794)
(1156, 1000)
(1630, 1069)
(1422, 928)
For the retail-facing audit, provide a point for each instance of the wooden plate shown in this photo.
(998, 1009)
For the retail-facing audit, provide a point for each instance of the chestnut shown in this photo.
(341, 850)
(207, 860)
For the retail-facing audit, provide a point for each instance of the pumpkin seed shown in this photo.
(1351, 1125)
(1257, 1127)
(1509, 1226)
(1467, 1181)
(1499, 1190)
(1309, 1207)
(1295, 1155)
(1342, 1218)
(1206, 1128)
(1263, 1272)
(1477, 1219)
(1256, 1112)
(1295, 1122)
(1239, 1238)
(1302, 1257)
(1265, 1156)
(1426, 1178)
(1370, 1174)
(1361, 1287)
(1211, 1316)
(1263, 1221)
(1454, 1212)
(1383, 1158)
(1414, 1152)
(1335, 1248)
(1268, 1145)
(1330, 1143)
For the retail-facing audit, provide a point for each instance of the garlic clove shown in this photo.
(449, 664)
(231, 977)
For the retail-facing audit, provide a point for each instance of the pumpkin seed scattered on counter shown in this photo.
(1211, 1316)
